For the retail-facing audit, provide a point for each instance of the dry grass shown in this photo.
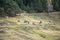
(15, 30)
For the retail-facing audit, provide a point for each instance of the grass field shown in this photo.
(15, 28)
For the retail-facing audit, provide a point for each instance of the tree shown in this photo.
(56, 5)
(10, 7)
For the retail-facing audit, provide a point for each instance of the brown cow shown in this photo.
(18, 20)
(26, 21)
(40, 22)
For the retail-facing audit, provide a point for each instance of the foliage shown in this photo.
(12, 7)
(56, 5)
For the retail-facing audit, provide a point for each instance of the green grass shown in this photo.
(42, 34)
(33, 29)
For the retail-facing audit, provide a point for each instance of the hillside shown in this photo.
(40, 26)
(29, 19)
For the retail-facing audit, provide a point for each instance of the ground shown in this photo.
(15, 28)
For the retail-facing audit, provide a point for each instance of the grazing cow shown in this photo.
(26, 21)
(40, 22)
(18, 20)
(49, 21)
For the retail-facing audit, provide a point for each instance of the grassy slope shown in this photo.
(21, 31)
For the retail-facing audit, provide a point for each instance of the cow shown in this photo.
(26, 21)
(40, 22)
